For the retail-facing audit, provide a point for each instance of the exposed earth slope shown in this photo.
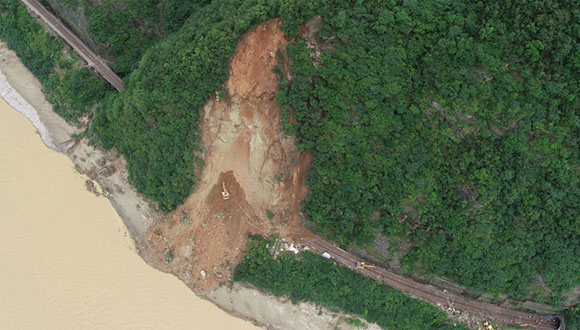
(245, 149)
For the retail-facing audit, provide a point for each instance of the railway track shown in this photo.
(435, 296)
(77, 45)
(421, 291)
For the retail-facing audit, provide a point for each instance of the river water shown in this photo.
(66, 260)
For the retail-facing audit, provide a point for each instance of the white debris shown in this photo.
(326, 255)
(292, 248)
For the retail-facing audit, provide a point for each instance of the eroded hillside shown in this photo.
(201, 241)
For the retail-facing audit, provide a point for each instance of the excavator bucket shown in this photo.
(225, 192)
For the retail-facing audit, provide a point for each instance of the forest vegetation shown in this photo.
(71, 89)
(310, 277)
(124, 30)
(451, 126)
(572, 317)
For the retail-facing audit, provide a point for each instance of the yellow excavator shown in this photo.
(225, 192)
(487, 326)
(362, 265)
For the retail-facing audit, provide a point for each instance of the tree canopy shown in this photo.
(451, 124)
(72, 89)
(313, 278)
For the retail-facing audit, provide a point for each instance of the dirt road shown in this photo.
(79, 47)
(432, 295)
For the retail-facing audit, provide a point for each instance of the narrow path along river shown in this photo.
(66, 260)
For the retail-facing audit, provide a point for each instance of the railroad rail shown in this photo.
(77, 45)
(435, 296)
(421, 291)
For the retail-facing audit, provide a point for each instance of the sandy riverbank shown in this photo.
(23, 91)
(67, 260)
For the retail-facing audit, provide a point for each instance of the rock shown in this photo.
(90, 185)
(203, 274)
(107, 171)
(187, 250)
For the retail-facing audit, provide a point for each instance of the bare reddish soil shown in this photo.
(245, 148)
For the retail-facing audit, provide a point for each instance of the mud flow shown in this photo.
(245, 149)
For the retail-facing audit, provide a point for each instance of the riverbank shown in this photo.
(23, 92)
(107, 173)
(67, 260)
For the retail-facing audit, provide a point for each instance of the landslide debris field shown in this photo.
(202, 240)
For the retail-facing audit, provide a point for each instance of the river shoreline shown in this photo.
(23, 92)
(68, 263)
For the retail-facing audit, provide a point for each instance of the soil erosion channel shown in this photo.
(202, 240)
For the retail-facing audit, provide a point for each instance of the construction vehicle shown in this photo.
(487, 326)
(225, 192)
(362, 265)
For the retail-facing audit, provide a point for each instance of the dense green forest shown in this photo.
(313, 278)
(72, 89)
(124, 30)
(452, 125)
(449, 125)
(572, 318)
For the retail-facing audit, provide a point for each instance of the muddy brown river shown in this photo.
(66, 260)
